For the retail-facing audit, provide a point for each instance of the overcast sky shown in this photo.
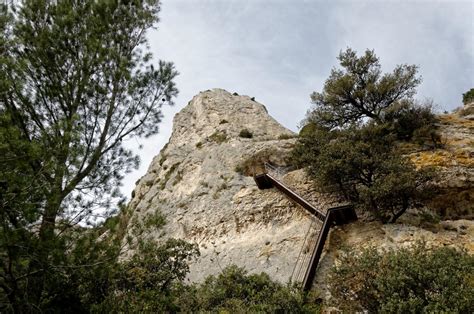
(281, 51)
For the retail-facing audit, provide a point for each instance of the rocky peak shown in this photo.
(197, 182)
(219, 113)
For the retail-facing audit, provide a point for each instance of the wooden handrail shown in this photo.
(297, 198)
(335, 216)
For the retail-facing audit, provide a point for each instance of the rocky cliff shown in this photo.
(202, 183)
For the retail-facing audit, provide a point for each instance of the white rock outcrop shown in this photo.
(195, 183)
(201, 182)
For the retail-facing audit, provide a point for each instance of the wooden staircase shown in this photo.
(334, 216)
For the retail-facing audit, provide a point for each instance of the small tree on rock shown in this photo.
(348, 141)
(359, 90)
(362, 166)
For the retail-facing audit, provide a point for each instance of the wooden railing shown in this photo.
(335, 216)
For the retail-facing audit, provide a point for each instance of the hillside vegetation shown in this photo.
(77, 81)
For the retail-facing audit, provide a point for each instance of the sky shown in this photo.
(280, 51)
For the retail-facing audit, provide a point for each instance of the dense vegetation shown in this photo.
(76, 81)
(235, 291)
(468, 96)
(349, 141)
(418, 280)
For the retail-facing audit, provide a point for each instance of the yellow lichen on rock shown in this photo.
(458, 144)
(442, 158)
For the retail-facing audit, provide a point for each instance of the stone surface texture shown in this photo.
(196, 182)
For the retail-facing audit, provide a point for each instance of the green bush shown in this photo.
(218, 137)
(285, 136)
(416, 122)
(235, 291)
(255, 164)
(245, 133)
(468, 96)
(361, 164)
(149, 281)
(417, 280)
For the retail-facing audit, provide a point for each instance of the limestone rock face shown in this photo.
(454, 164)
(202, 183)
(457, 234)
(195, 183)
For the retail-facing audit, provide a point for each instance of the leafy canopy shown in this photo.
(468, 96)
(77, 81)
(417, 280)
(362, 166)
(349, 139)
(359, 90)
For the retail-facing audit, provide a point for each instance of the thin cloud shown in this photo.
(281, 51)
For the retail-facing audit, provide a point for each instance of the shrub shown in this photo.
(285, 136)
(223, 121)
(255, 163)
(361, 164)
(417, 280)
(468, 96)
(168, 175)
(239, 169)
(413, 121)
(234, 291)
(218, 137)
(245, 133)
(148, 281)
(198, 145)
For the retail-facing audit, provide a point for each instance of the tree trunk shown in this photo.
(396, 215)
(45, 246)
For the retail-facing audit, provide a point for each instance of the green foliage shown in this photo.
(360, 91)
(418, 280)
(156, 220)
(468, 96)
(235, 291)
(362, 165)
(90, 277)
(198, 145)
(244, 133)
(239, 169)
(285, 136)
(148, 281)
(347, 143)
(168, 175)
(415, 122)
(360, 94)
(255, 163)
(76, 81)
(218, 137)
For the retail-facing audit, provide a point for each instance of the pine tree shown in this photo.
(76, 81)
